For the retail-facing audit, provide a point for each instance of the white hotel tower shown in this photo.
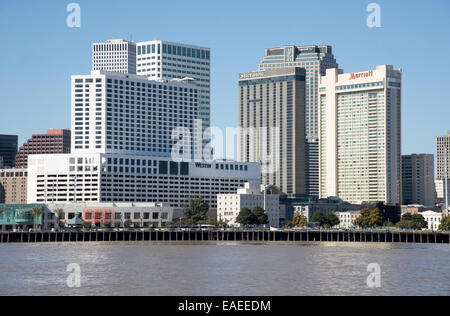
(360, 135)
(122, 126)
(167, 60)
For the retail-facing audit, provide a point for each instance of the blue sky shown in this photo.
(38, 52)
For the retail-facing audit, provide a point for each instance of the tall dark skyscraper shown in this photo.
(315, 59)
(8, 149)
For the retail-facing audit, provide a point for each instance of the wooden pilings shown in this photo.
(234, 235)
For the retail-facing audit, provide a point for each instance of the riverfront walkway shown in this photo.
(218, 235)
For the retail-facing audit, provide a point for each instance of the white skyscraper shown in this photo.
(121, 147)
(115, 55)
(360, 135)
(166, 60)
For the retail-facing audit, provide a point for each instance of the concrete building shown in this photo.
(433, 219)
(147, 214)
(272, 126)
(315, 59)
(442, 155)
(13, 186)
(123, 149)
(163, 60)
(230, 205)
(114, 178)
(130, 114)
(418, 179)
(346, 219)
(56, 141)
(325, 206)
(1, 162)
(116, 55)
(8, 149)
(360, 135)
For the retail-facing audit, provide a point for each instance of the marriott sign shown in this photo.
(361, 75)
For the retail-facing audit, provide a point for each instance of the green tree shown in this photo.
(246, 217)
(319, 218)
(127, 223)
(299, 220)
(261, 216)
(331, 220)
(36, 212)
(369, 218)
(405, 224)
(445, 223)
(196, 209)
(417, 220)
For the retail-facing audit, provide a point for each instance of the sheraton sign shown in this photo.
(361, 75)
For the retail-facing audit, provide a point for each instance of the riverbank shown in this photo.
(246, 235)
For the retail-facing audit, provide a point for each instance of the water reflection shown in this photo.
(224, 268)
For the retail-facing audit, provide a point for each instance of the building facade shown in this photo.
(315, 60)
(113, 178)
(56, 141)
(18, 216)
(130, 114)
(272, 126)
(360, 135)
(433, 219)
(308, 209)
(116, 55)
(162, 60)
(418, 179)
(442, 155)
(347, 219)
(8, 149)
(230, 205)
(13, 186)
(101, 214)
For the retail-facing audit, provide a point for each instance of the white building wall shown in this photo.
(360, 135)
(230, 205)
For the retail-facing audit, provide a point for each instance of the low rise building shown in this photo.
(19, 216)
(147, 214)
(13, 186)
(325, 206)
(230, 205)
(433, 219)
(346, 219)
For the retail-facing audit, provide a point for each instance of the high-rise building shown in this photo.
(272, 126)
(443, 155)
(418, 185)
(8, 149)
(13, 186)
(130, 114)
(116, 55)
(166, 60)
(360, 135)
(122, 127)
(56, 141)
(316, 59)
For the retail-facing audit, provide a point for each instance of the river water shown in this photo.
(224, 268)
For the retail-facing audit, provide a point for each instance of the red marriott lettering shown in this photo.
(361, 75)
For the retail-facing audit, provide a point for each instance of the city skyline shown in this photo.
(65, 51)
